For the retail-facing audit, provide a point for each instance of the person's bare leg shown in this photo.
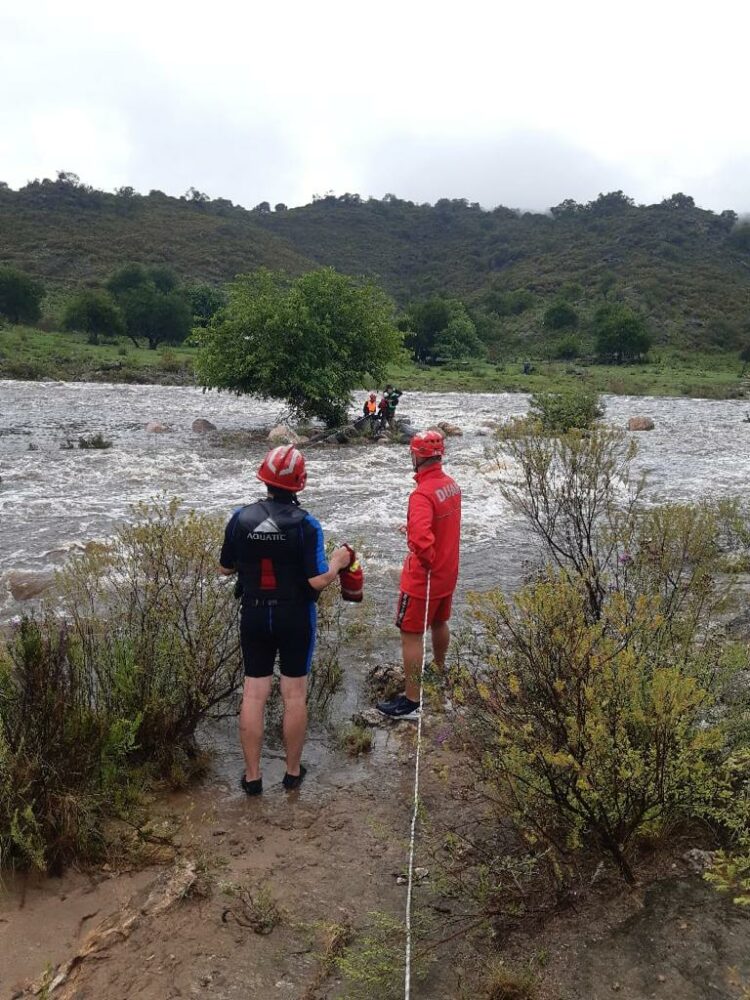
(254, 697)
(441, 637)
(412, 650)
(294, 695)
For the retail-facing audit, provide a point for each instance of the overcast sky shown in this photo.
(520, 104)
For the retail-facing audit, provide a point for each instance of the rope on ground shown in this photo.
(413, 836)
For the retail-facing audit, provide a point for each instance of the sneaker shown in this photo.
(399, 708)
(292, 781)
(251, 787)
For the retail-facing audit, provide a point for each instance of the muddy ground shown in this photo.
(261, 893)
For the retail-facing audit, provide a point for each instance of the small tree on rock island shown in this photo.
(309, 341)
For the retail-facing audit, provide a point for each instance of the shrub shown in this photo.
(567, 348)
(559, 412)
(95, 313)
(95, 441)
(593, 697)
(20, 296)
(63, 752)
(157, 626)
(560, 316)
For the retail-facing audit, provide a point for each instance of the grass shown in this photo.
(670, 373)
(29, 353)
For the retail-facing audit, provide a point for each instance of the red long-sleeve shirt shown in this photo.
(433, 532)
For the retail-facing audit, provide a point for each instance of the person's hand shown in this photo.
(403, 528)
(340, 558)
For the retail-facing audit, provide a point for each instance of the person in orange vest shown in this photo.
(370, 411)
(433, 533)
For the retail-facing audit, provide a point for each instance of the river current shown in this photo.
(54, 499)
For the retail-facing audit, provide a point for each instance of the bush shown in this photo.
(560, 412)
(567, 348)
(95, 441)
(593, 697)
(94, 313)
(560, 316)
(20, 296)
(63, 752)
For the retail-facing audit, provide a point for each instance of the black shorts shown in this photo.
(287, 628)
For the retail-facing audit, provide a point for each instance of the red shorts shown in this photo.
(410, 611)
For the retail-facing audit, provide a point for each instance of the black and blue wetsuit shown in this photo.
(276, 547)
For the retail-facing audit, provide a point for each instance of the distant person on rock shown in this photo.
(433, 531)
(277, 551)
(370, 412)
(391, 397)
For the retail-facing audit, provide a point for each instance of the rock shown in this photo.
(492, 424)
(368, 718)
(450, 430)
(281, 434)
(25, 584)
(485, 431)
(640, 424)
(385, 680)
(203, 426)
(698, 860)
(155, 427)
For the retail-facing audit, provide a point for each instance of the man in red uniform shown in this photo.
(433, 531)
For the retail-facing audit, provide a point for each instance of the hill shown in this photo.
(688, 269)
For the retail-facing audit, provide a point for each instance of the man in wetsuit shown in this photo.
(433, 531)
(277, 550)
(391, 396)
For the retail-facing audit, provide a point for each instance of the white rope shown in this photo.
(410, 877)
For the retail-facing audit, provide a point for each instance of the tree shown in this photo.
(94, 312)
(560, 316)
(308, 342)
(440, 328)
(152, 304)
(205, 301)
(620, 333)
(20, 296)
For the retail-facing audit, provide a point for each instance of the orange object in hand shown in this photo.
(352, 578)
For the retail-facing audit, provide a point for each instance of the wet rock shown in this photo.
(155, 427)
(640, 424)
(368, 718)
(492, 424)
(281, 434)
(203, 426)
(385, 680)
(485, 431)
(25, 584)
(450, 430)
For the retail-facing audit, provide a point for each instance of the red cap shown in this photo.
(284, 467)
(431, 444)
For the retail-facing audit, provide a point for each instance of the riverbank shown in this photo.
(30, 354)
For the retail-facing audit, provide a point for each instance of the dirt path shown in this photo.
(326, 858)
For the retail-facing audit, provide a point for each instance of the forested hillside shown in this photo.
(686, 269)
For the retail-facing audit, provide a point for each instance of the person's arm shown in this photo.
(226, 559)
(317, 570)
(419, 534)
(339, 560)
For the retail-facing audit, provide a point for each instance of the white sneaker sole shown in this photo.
(411, 717)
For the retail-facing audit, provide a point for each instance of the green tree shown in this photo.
(440, 328)
(93, 312)
(309, 341)
(560, 316)
(152, 304)
(205, 301)
(20, 296)
(620, 333)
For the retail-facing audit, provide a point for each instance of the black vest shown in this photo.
(268, 552)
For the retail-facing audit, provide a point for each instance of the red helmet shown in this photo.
(430, 444)
(284, 467)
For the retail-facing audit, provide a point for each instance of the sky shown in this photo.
(516, 104)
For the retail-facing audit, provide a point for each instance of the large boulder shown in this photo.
(203, 426)
(25, 584)
(640, 424)
(155, 427)
(449, 430)
(281, 434)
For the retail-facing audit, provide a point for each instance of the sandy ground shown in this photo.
(329, 856)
